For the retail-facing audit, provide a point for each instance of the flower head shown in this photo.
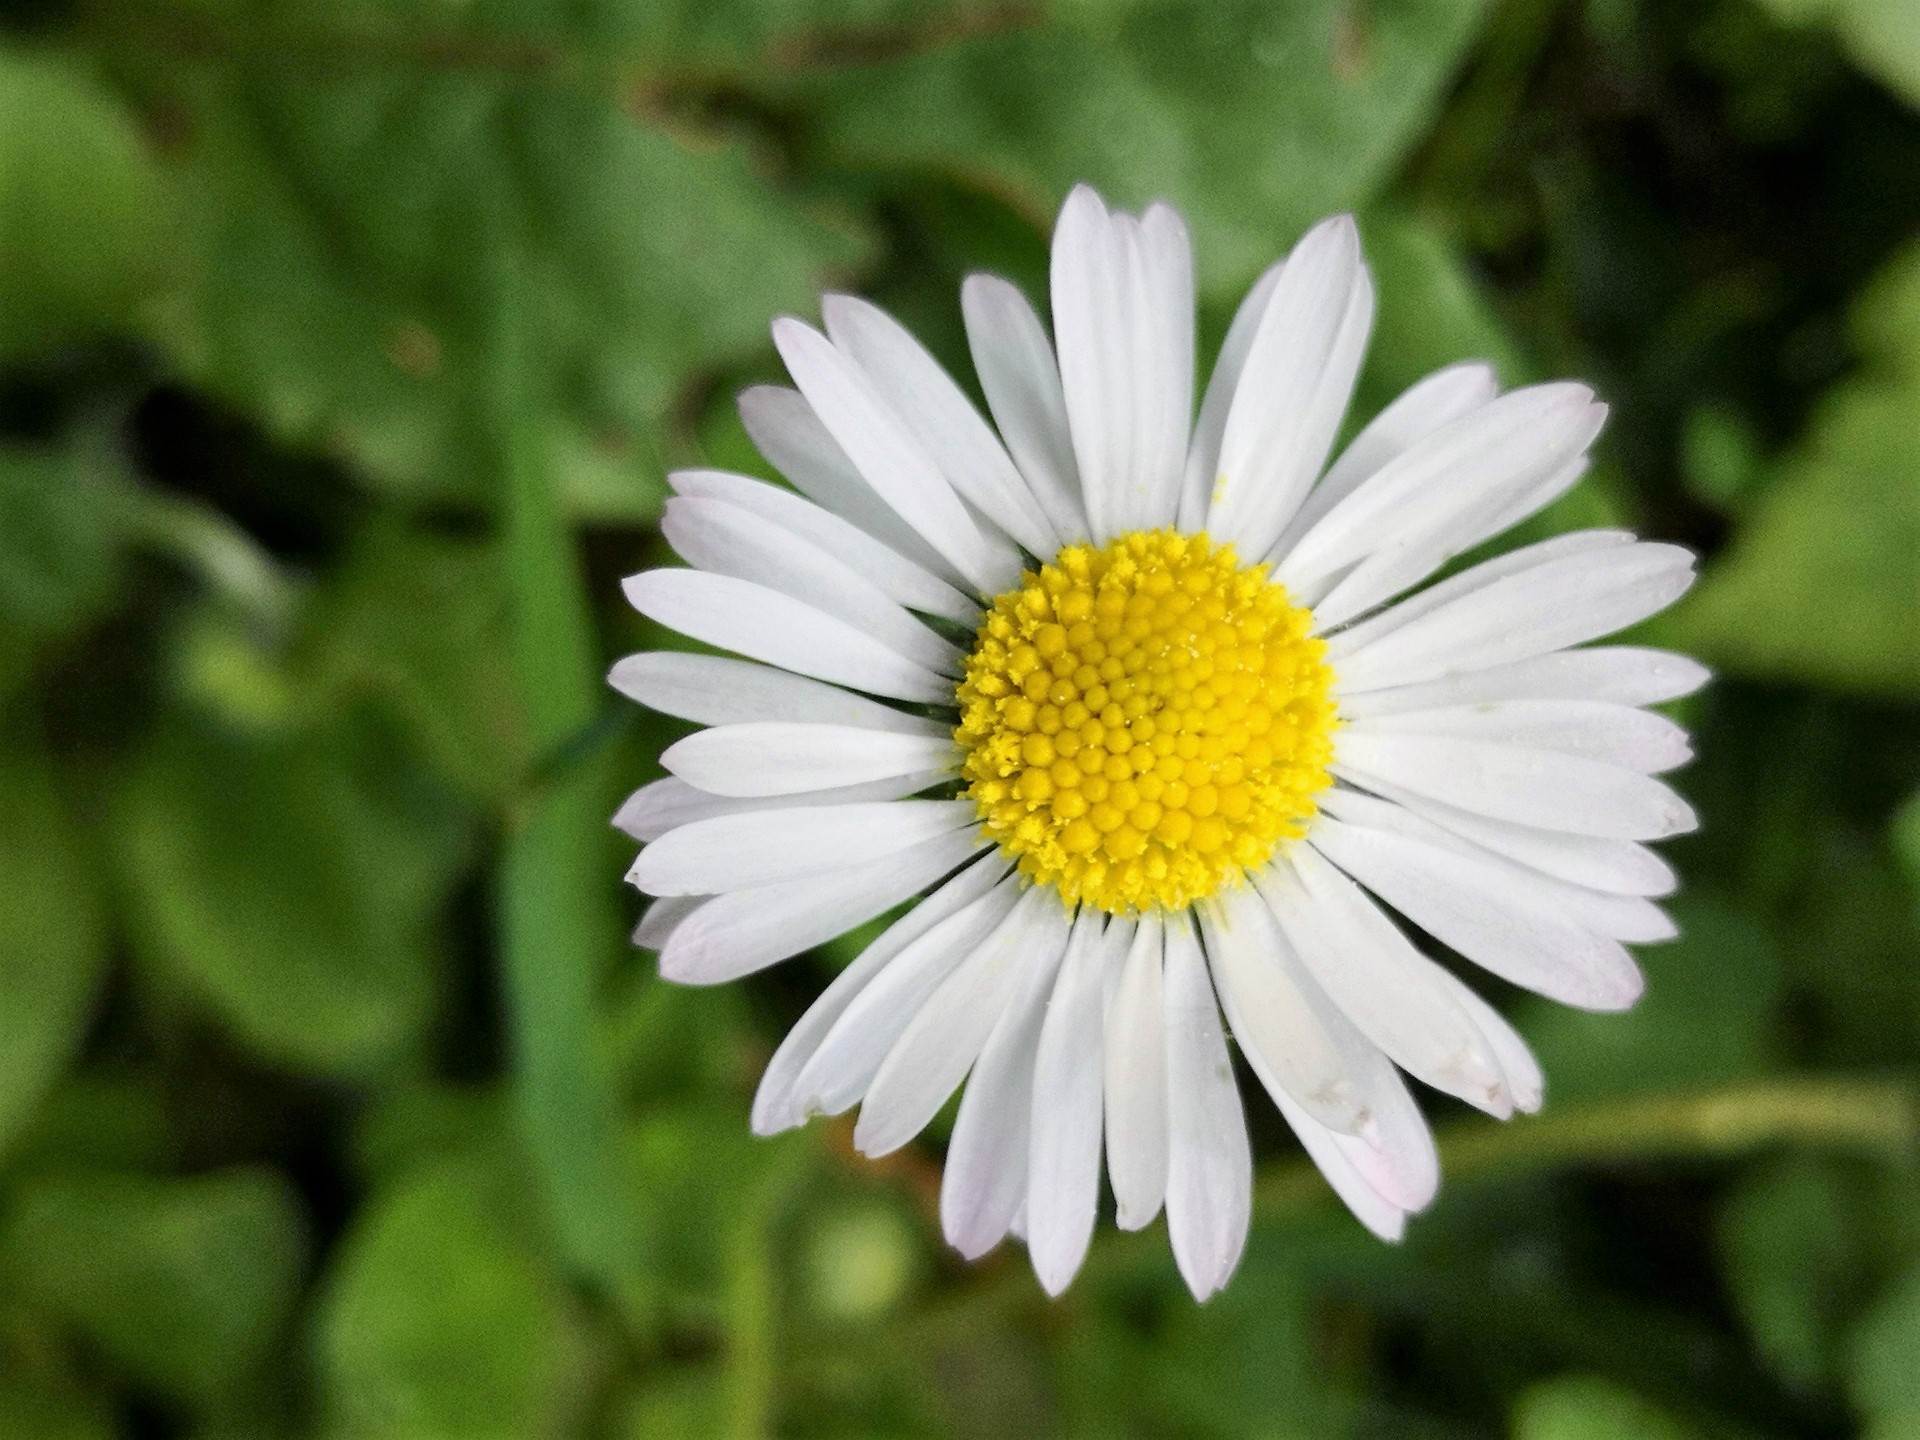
(1149, 714)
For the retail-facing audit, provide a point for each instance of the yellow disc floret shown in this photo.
(1142, 722)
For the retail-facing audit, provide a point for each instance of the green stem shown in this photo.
(556, 919)
(1875, 1116)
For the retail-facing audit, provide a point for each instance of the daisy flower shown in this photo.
(1153, 721)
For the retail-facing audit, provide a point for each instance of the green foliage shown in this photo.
(186, 1284)
(53, 933)
(439, 1320)
(1821, 583)
(343, 349)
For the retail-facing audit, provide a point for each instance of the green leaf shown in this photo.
(185, 1284)
(1883, 36)
(1257, 120)
(1882, 1376)
(53, 935)
(438, 1320)
(352, 219)
(418, 621)
(1709, 1014)
(1797, 1251)
(293, 883)
(44, 1408)
(83, 229)
(1578, 1407)
(1820, 584)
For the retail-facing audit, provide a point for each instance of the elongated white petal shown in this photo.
(889, 458)
(766, 625)
(1474, 466)
(663, 917)
(1525, 1081)
(723, 539)
(776, 1104)
(983, 1190)
(1203, 455)
(1136, 1081)
(718, 690)
(1372, 1209)
(1063, 1165)
(735, 934)
(667, 804)
(1209, 1162)
(1439, 399)
(905, 581)
(940, 1044)
(1163, 320)
(1384, 985)
(1021, 379)
(771, 757)
(1614, 674)
(1090, 303)
(1613, 734)
(1543, 788)
(837, 1075)
(785, 429)
(766, 847)
(1616, 867)
(1515, 931)
(939, 415)
(1276, 1010)
(1564, 602)
(1294, 387)
(1349, 639)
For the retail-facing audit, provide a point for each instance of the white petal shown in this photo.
(771, 757)
(1563, 602)
(1373, 1210)
(1063, 1162)
(1294, 389)
(1618, 867)
(1021, 380)
(837, 1075)
(723, 539)
(1203, 455)
(716, 690)
(1386, 987)
(766, 625)
(1616, 674)
(1277, 1011)
(1525, 1081)
(889, 458)
(667, 804)
(1209, 1162)
(1136, 1081)
(1471, 467)
(984, 1187)
(1513, 930)
(766, 847)
(1421, 409)
(663, 917)
(940, 1044)
(905, 581)
(785, 429)
(734, 935)
(1613, 734)
(1355, 637)
(1090, 289)
(776, 1104)
(1160, 259)
(1528, 787)
(939, 415)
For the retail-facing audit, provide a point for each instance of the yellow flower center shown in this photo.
(1142, 722)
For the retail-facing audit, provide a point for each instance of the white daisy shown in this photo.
(1173, 737)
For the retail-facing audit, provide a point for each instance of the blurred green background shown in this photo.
(343, 347)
